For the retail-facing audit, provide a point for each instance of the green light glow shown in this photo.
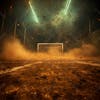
(60, 17)
(34, 14)
(67, 6)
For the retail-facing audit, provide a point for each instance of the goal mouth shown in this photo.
(51, 48)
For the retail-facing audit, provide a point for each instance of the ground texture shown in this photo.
(50, 80)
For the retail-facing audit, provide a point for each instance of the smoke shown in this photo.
(85, 51)
(12, 49)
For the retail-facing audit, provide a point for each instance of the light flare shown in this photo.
(57, 20)
(34, 13)
(67, 6)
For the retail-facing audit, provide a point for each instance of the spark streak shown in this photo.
(34, 13)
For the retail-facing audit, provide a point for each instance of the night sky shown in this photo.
(81, 11)
(47, 8)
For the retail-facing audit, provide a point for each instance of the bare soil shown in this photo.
(50, 80)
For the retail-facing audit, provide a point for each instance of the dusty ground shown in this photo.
(50, 80)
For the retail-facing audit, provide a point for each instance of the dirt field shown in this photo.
(50, 80)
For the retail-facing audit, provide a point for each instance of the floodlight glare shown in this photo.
(34, 13)
(67, 6)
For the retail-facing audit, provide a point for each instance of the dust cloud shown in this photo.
(12, 49)
(85, 50)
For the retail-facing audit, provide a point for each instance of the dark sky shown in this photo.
(84, 9)
(50, 4)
